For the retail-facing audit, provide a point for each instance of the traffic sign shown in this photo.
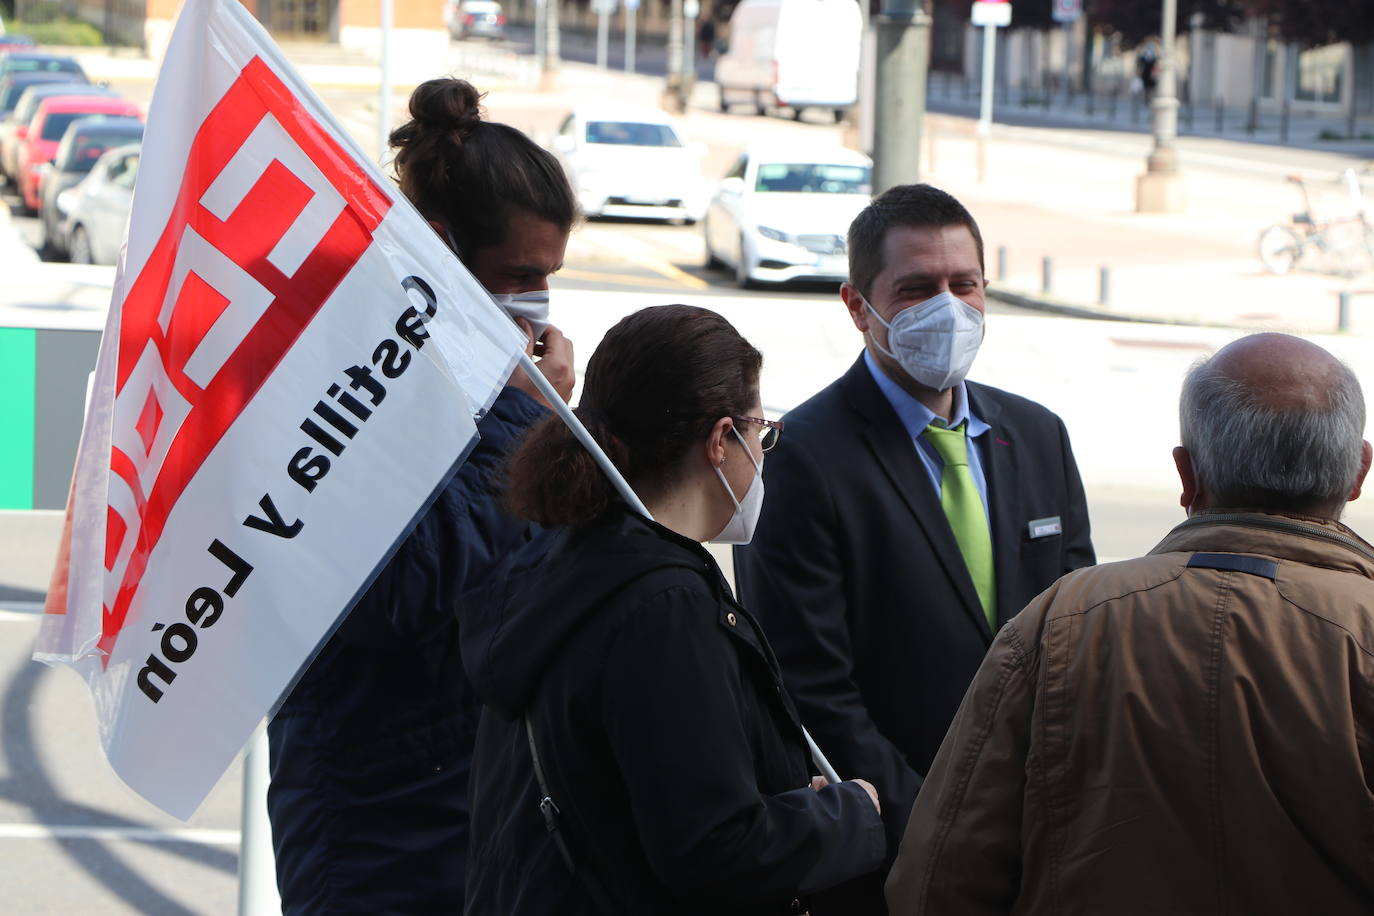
(1066, 10)
(992, 12)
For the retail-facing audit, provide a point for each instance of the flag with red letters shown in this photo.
(291, 368)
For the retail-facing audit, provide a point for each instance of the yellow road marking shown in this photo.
(638, 252)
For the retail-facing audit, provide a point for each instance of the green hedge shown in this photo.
(63, 32)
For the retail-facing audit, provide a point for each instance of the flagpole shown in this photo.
(622, 487)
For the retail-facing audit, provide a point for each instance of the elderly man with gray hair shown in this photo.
(1191, 731)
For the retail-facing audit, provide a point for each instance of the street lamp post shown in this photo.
(1160, 189)
(903, 55)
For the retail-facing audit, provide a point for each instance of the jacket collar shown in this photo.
(1302, 539)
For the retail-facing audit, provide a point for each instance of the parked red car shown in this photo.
(54, 115)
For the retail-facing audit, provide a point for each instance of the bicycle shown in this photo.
(1341, 243)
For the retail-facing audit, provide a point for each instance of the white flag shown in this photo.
(290, 371)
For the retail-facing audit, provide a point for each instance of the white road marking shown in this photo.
(202, 836)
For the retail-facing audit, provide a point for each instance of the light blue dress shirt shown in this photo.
(916, 416)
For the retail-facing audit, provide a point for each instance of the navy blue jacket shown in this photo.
(665, 733)
(370, 754)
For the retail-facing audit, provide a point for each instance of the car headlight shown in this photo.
(773, 234)
(65, 200)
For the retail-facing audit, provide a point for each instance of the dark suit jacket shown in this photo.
(859, 583)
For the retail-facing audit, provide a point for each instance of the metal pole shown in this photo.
(630, 38)
(552, 51)
(257, 869)
(674, 79)
(1343, 312)
(539, 27)
(384, 83)
(1160, 189)
(603, 37)
(903, 58)
(691, 9)
(985, 108)
(627, 493)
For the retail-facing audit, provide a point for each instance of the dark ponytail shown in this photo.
(654, 387)
(470, 174)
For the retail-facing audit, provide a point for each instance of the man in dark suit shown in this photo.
(908, 513)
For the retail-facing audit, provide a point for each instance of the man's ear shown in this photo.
(854, 301)
(1186, 476)
(1366, 455)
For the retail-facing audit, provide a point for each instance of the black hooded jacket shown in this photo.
(667, 739)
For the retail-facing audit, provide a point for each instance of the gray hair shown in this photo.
(1248, 454)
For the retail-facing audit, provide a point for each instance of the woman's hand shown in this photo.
(820, 782)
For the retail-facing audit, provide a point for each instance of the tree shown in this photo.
(1137, 20)
(1309, 23)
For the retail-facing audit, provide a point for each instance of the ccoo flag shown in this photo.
(290, 370)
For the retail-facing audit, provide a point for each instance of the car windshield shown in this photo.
(48, 64)
(631, 133)
(83, 149)
(14, 88)
(814, 178)
(34, 96)
(57, 122)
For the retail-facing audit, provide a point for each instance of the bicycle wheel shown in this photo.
(1279, 249)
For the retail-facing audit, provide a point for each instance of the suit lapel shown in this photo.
(1000, 468)
(895, 454)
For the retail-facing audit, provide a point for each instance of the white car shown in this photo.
(631, 163)
(97, 209)
(783, 214)
(475, 19)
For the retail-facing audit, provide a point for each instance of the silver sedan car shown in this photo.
(97, 210)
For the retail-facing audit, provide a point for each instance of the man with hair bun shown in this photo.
(370, 753)
(1191, 731)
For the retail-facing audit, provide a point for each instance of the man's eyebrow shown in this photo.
(916, 279)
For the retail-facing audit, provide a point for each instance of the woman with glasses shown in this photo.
(637, 751)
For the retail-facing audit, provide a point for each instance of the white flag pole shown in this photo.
(622, 487)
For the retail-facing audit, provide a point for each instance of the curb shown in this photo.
(1049, 305)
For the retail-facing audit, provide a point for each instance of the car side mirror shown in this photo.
(564, 143)
(732, 186)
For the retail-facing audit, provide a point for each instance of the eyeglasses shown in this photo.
(772, 430)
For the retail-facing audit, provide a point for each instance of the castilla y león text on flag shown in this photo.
(290, 370)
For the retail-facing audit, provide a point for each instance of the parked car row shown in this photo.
(70, 149)
(778, 215)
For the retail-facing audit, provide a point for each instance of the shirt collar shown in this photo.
(916, 416)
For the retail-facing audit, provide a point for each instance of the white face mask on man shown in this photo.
(934, 341)
(532, 305)
(740, 528)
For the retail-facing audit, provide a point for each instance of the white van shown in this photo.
(792, 53)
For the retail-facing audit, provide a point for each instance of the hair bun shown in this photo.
(447, 104)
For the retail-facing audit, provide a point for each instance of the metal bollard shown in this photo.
(1343, 312)
(1046, 275)
(1001, 263)
(1104, 286)
(1221, 114)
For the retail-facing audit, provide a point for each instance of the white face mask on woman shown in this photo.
(934, 341)
(740, 528)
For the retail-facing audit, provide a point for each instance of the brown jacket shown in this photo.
(1148, 737)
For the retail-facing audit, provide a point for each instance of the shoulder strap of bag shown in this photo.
(552, 815)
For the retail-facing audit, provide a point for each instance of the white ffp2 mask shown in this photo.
(934, 341)
(740, 528)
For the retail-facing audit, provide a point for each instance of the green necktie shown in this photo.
(964, 510)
